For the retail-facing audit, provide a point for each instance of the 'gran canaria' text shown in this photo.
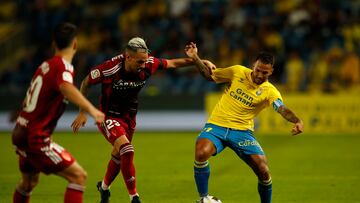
(242, 97)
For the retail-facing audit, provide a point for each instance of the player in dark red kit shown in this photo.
(45, 101)
(122, 78)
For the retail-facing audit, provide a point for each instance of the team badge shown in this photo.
(44, 68)
(241, 80)
(95, 74)
(259, 91)
(66, 76)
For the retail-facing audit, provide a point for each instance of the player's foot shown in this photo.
(208, 199)
(105, 194)
(136, 199)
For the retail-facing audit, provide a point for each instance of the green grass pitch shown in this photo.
(308, 168)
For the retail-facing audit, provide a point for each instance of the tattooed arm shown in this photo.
(81, 119)
(204, 69)
(291, 117)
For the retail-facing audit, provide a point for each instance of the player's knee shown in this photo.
(119, 143)
(79, 177)
(202, 153)
(83, 177)
(33, 184)
(204, 149)
(263, 172)
(115, 154)
(28, 185)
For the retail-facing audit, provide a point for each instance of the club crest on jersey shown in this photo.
(66, 76)
(95, 74)
(259, 91)
(44, 68)
(241, 80)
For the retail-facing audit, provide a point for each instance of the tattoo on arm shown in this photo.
(203, 69)
(288, 114)
(84, 88)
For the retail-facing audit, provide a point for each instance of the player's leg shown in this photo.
(207, 145)
(204, 149)
(23, 189)
(126, 151)
(29, 174)
(117, 133)
(112, 170)
(248, 149)
(76, 176)
(259, 165)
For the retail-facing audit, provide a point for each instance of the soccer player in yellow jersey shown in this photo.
(231, 122)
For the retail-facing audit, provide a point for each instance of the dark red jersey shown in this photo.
(44, 103)
(120, 89)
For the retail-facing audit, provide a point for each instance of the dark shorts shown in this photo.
(39, 156)
(48, 159)
(241, 141)
(114, 128)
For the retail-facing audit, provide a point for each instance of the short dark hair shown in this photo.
(266, 58)
(64, 34)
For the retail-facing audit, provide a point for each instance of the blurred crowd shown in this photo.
(316, 42)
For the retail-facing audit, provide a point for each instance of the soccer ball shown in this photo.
(209, 199)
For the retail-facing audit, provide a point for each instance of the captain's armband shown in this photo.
(276, 104)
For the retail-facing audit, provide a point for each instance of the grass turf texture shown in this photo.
(306, 168)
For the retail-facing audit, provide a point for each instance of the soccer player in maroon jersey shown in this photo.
(122, 78)
(45, 101)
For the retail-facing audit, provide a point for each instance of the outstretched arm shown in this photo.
(291, 117)
(184, 62)
(73, 94)
(179, 62)
(191, 51)
(81, 119)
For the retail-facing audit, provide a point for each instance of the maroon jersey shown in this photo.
(44, 103)
(120, 89)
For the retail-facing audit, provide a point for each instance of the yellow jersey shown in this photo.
(242, 99)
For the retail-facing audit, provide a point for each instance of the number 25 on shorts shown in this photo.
(111, 123)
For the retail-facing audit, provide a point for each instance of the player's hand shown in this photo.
(79, 122)
(298, 128)
(98, 116)
(191, 50)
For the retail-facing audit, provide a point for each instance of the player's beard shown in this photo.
(143, 74)
(259, 81)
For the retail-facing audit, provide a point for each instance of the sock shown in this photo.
(132, 196)
(202, 174)
(21, 196)
(127, 167)
(74, 193)
(112, 171)
(265, 190)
